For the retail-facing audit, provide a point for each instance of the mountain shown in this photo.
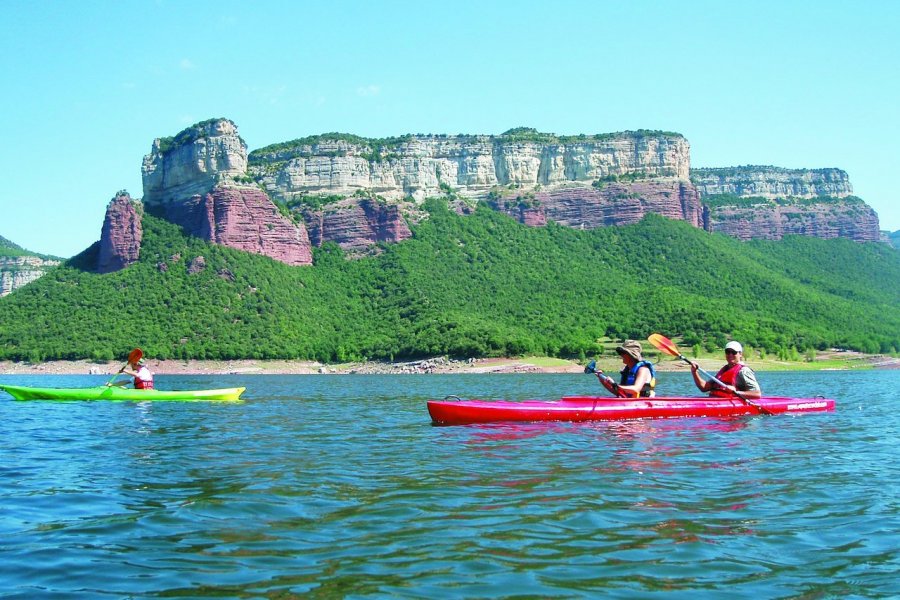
(282, 200)
(480, 284)
(19, 267)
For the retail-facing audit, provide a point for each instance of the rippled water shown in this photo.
(339, 486)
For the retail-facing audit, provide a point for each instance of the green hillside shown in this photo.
(481, 285)
(7, 248)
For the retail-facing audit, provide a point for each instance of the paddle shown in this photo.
(591, 367)
(133, 357)
(668, 346)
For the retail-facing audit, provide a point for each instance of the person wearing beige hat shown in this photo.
(638, 375)
(736, 376)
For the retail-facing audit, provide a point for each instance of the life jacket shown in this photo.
(630, 375)
(727, 375)
(143, 384)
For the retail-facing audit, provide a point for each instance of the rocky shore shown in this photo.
(298, 367)
(436, 365)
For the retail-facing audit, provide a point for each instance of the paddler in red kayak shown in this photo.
(143, 377)
(638, 375)
(736, 376)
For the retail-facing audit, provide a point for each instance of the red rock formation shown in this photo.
(356, 225)
(831, 219)
(611, 204)
(244, 218)
(120, 238)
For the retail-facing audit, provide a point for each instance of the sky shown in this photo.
(88, 85)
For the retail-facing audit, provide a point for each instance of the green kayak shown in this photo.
(104, 392)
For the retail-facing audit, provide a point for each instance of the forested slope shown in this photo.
(475, 285)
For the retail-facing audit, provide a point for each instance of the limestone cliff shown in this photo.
(764, 202)
(584, 181)
(193, 162)
(772, 182)
(199, 180)
(422, 166)
(18, 271)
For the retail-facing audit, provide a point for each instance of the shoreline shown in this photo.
(438, 365)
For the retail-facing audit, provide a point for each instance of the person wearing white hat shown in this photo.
(736, 376)
(143, 377)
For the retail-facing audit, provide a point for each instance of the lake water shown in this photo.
(340, 487)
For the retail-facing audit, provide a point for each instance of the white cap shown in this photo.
(736, 346)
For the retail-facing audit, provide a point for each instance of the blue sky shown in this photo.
(87, 85)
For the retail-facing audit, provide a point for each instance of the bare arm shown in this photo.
(640, 380)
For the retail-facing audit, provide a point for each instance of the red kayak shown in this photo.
(597, 408)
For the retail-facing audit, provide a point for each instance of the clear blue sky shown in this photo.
(87, 85)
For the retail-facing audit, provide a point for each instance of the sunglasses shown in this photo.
(729, 351)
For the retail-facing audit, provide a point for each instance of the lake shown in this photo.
(333, 486)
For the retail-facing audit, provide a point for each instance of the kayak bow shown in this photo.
(114, 393)
(603, 408)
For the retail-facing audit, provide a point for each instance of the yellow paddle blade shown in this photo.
(663, 343)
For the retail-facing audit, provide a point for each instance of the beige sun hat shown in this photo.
(632, 348)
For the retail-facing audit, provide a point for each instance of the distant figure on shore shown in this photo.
(736, 376)
(143, 377)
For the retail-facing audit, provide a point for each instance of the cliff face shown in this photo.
(423, 166)
(199, 179)
(120, 238)
(588, 207)
(355, 225)
(402, 172)
(244, 218)
(771, 202)
(848, 218)
(772, 182)
(193, 162)
(17, 271)
(358, 192)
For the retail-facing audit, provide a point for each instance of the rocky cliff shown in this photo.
(847, 217)
(120, 237)
(772, 182)
(422, 166)
(356, 224)
(357, 191)
(193, 162)
(764, 202)
(583, 181)
(199, 180)
(17, 271)
(242, 217)
(588, 207)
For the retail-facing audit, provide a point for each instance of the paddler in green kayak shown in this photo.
(143, 377)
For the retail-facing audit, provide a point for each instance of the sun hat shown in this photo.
(736, 346)
(632, 348)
